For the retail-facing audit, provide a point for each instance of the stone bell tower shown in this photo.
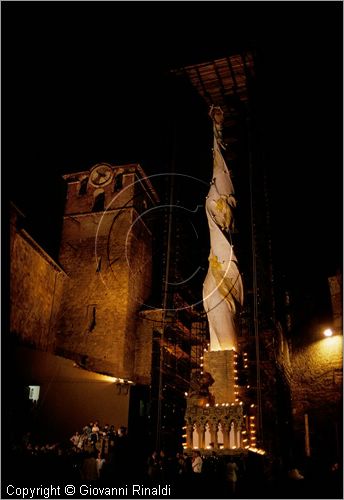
(106, 253)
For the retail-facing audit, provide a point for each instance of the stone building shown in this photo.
(317, 388)
(74, 324)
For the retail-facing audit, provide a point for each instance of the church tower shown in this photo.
(107, 255)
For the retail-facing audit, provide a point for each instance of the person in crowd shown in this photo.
(89, 470)
(100, 462)
(153, 466)
(231, 475)
(94, 432)
(163, 465)
(197, 462)
(75, 439)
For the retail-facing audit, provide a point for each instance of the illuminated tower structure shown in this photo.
(214, 415)
(263, 365)
(106, 252)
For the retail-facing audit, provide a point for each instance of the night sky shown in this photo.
(87, 82)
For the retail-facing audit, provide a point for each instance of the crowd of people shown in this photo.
(106, 455)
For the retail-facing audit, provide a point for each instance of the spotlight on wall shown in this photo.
(328, 332)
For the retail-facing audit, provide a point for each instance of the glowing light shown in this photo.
(109, 378)
(248, 386)
(252, 405)
(256, 450)
(207, 404)
(328, 332)
(186, 394)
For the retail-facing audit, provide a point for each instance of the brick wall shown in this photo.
(108, 258)
(335, 284)
(35, 292)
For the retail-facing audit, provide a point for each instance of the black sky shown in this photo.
(85, 82)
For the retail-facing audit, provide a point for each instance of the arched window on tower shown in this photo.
(99, 201)
(118, 183)
(83, 186)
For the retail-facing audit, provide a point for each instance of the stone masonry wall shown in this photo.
(139, 281)
(93, 314)
(317, 391)
(36, 284)
(107, 256)
(335, 284)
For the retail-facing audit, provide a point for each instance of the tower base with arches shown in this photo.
(214, 415)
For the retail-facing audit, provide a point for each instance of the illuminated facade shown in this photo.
(74, 324)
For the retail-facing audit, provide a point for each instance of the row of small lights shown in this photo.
(260, 451)
(236, 392)
(219, 404)
(252, 417)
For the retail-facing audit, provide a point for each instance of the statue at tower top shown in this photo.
(222, 287)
